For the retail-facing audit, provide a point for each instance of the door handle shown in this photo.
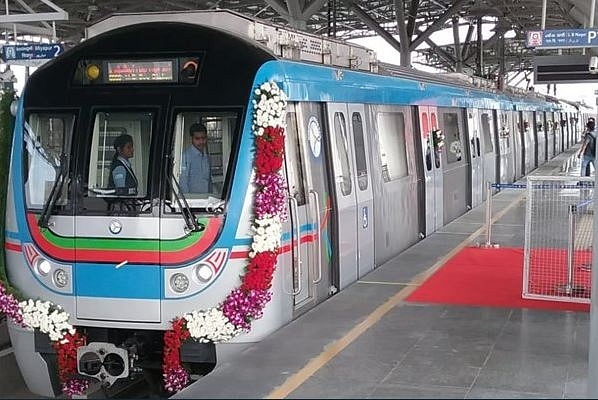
(296, 243)
(319, 239)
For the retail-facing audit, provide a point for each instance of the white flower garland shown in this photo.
(48, 317)
(210, 326)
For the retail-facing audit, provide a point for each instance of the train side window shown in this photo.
(540, 123)
(202, 189)
(453, 137)
(360, 160)
(135, 126)
(47, 138)
(487, 133)
(342, 156)
(393, 154)
(293, 158)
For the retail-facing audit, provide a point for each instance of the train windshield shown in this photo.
(46, 144)
(201, 152)
(119, 158)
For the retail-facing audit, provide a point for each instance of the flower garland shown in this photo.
(50, 319)
(243, 305)
(246, 303)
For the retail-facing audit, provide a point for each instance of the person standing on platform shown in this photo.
(588, 148)
(196, 176)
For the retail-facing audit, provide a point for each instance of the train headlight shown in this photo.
(60, 278)
(179, 282)
(43, 266)
(92, 72)
(204, 272)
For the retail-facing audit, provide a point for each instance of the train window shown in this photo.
(487, 133)
(47, 142)
(342, 154)
(360, 161)
(122, 172)
(201, 153)
(453, 137)
(293, 160)
(393, 154)
(540, 123)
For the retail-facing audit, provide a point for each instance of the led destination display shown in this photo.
(140, 71)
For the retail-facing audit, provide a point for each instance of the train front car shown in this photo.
(125, 252)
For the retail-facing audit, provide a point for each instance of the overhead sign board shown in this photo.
(30, 54)
(563, 69)
(561, 38)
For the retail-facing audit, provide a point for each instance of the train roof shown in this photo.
(285, 43)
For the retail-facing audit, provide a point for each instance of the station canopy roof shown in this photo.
(505, 20)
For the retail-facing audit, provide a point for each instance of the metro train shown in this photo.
(376, 157)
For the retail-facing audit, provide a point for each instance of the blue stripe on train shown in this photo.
(128, 281)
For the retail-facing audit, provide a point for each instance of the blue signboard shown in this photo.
(21, 52)
(560, 38)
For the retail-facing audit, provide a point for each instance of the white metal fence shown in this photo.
(558, 238)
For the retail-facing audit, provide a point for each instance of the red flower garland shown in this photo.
(269, 150)
(172, 342)
(260, 271)
(66, 353)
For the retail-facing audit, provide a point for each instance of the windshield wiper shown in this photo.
(190, 220)
(55, 194)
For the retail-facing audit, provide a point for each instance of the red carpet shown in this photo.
(486, 278)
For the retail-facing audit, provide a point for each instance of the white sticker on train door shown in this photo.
(314, 136)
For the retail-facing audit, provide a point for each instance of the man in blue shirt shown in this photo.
(195, 166)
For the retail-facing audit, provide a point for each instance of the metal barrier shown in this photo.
(558, 236)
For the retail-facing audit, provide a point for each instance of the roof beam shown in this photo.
(438, 23)
(372, 24)
(58, 15)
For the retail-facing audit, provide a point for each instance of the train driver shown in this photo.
(122, 176)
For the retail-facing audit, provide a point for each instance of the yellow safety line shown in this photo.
(298, 378)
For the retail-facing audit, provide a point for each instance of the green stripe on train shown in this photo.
(127, 244)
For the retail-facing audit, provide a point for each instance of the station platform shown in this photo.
(371, 341)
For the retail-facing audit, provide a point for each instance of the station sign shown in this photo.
(562, 38)
(32, 55)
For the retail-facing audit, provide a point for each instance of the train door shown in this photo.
(488, 150)
(106, 211)
(505, 147)
(353, 191)
(541, 135)
(556, 127)
(550, 144)
(456, 176)
(431, 154)
(309, 205)
(529, 142)
(477, 165)
(364, 191)
(519, 149)
(397, 178)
